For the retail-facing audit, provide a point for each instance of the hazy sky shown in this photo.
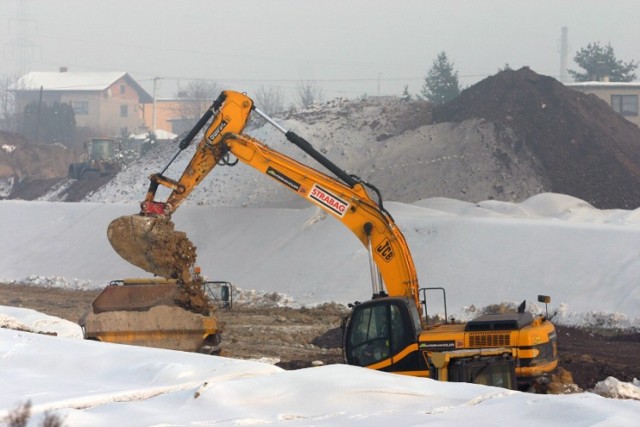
(348, 47)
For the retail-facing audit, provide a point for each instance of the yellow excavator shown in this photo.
(389, 332)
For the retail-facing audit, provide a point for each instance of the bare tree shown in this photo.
(308, 93)
(19, 417)
(8, 113)
(269, 100)
(197, 96)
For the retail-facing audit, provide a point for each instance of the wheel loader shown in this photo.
(97, 160)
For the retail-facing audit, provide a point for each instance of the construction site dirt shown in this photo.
(304, 337)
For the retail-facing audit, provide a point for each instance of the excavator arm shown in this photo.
(230, 113)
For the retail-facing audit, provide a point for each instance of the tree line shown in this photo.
(598, 63)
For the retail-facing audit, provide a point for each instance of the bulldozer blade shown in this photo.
(153, 244)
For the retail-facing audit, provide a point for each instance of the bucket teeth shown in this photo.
(153, 245)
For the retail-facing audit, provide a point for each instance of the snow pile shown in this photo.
(613, 388)
(101, 384)
(5, 187)
(595, 319)
(55, 282)
(28, 320)
(385, 141)
(253, 298)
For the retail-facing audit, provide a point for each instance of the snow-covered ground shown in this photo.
(483, 253)
(87, 383)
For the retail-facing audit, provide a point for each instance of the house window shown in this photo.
(80, 107)
(124, 111)
(123, 89)
(627, 105)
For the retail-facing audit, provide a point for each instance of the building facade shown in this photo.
(108, 103)
(621, 96)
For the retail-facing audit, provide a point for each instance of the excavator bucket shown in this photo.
(153, 244)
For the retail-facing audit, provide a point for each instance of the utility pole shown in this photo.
(38, 116)
(564, 53)
(22, 48)
(155, 87)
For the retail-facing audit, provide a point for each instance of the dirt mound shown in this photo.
(23, 160)
(509, 137)
(584, 148)
(382, 116)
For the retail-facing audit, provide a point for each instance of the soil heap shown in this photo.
(508, 137)
(583, 148)
(30, 165)
(153, 245)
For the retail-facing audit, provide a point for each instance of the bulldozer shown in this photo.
(98, 159)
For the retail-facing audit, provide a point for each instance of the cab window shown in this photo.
(369, 341)
(377, 332)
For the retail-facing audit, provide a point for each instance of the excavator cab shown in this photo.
(382, 334)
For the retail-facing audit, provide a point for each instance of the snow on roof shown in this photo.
(93, 81)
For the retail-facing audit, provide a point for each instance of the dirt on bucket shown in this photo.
(153, 244)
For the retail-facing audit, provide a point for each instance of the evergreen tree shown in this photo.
(600, 62)
(441, 83)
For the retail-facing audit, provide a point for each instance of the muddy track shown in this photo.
(296, 338)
